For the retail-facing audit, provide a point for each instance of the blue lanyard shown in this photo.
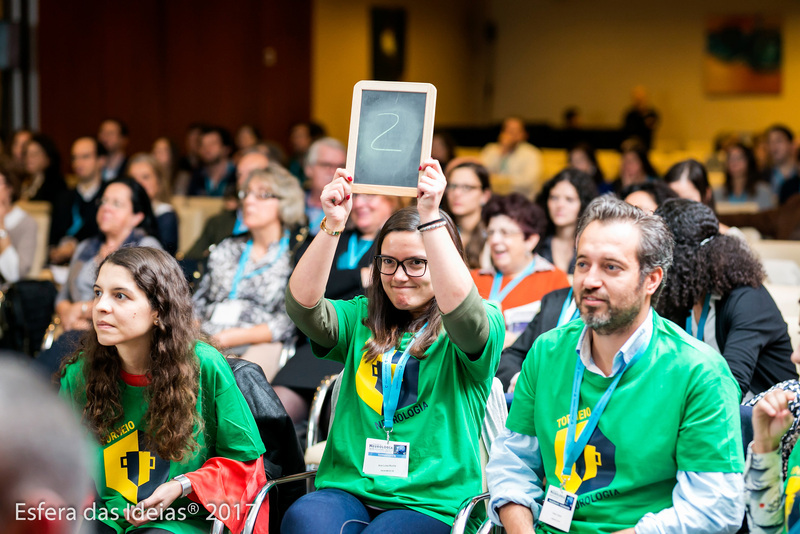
(392, 385)
(499, 296)
(562, 318)
(356, 248)
(239, 276)
(572, 448)
(239, 227)
(701, 325)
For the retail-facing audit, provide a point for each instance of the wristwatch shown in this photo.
(186, 484)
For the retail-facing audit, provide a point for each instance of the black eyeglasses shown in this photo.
(413, 267)
(259, 195)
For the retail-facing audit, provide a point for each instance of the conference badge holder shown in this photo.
(386, 458)
(558, 508)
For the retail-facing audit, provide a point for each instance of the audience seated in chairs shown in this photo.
(635, 167)
(17, 232)
(43, 181)
(217, 172)
(349, 276)
(715, 289)
(148, 388)
(582, 157)
(743, 182)
(240, 299)
(229, 222)
(468, 191)
(520, 277)
(422, 313)
(514, 158)
(563, 199)
(124, 219)
(145, 169)
(647, 196)
(88, 160)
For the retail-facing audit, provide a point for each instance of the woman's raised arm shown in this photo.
(310, 276)
(449, 274)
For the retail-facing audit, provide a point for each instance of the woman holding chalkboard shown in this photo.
(402, 452)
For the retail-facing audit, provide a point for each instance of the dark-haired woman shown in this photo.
(635, 167)
(742, 179)
(582, 157)
(563, 199)
(164, 408)
(419, 352)
(715, 289)
(43, 181)
(648, 196)
(468, 190)
(520, 277)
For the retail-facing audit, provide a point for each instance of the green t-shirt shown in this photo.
(440, 412)
(676, 409)
(792, 491)
(128, 472)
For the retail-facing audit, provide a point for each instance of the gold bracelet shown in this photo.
(327, 230)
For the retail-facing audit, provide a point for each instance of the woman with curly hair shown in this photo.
(715, 289)
(563, 199)
(163, 406)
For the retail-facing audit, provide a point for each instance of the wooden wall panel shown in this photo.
(162, 65)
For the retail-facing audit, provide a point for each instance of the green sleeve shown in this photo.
(237, 435)
(319, 322)
(520, 418)
(468, 324)
(710, 433)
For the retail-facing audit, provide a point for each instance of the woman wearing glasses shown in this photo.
(519, 278)
(468, 190)
(239, 300)
(419, 351)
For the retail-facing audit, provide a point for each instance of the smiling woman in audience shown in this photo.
(520, 277)
(715, 289)
(425, 330)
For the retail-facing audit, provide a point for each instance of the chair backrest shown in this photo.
(284, 456)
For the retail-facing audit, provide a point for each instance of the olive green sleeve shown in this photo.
(319, 322)
(468, 325)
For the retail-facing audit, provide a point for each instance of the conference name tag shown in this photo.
(558, 508)
(387, 458)
(227, 312)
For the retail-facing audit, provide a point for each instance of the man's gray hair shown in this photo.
(313, 150)
(42, 445)
(655, 239)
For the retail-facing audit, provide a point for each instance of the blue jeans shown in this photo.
(332, 511)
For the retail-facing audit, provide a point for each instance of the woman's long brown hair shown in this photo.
(171, 419)
(387, 323)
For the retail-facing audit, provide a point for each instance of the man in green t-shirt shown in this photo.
(621, 422)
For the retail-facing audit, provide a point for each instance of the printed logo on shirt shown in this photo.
(594, 469)
(131, 469)
(369, 382)
(792, 509)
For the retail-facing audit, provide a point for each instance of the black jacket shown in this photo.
(512, 357)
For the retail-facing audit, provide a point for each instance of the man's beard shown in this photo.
(614, 319)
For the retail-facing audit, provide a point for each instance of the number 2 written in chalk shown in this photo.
(396, 122)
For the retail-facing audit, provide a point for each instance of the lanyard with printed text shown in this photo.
(701, 325)
(563, 318)
(391, 385)
(356, 248)
(572, 448)
(239, 276)
(498, 296)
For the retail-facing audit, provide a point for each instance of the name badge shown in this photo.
(227, 312)
(386, 458)
(558, 508)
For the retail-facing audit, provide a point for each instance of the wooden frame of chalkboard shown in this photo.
(391, 132)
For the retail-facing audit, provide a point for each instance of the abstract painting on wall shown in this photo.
(743, 55)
